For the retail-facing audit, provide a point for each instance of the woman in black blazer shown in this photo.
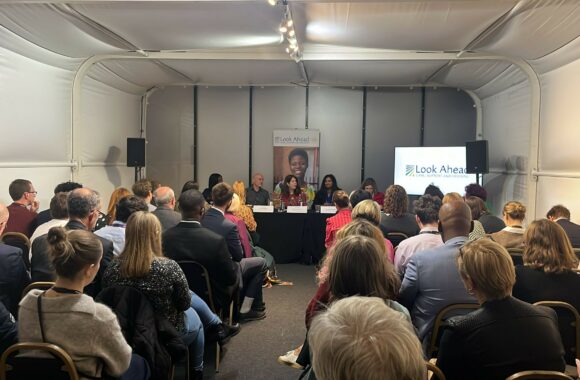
(505, 335)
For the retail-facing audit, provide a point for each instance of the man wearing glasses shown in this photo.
(23, 209)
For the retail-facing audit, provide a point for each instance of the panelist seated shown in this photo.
(291, 194)
(323, 196)
(505, 335)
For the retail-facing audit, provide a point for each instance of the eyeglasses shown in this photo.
(32, 192)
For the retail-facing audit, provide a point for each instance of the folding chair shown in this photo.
(198, 280)
(42, 285)
(441, 322)
(539, 375)
(516, 255)
(569, 326)
(18, 240)
(396, 238)
(56, 365)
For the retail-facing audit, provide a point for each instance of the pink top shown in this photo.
(242, 232)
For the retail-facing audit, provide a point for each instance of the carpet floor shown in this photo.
(253, 353)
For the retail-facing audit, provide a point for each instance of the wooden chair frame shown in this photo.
(58, 352)
(440, 322)
(539, 375)
(570, 308)
(435, 370)
(20, 236)
(42, 285)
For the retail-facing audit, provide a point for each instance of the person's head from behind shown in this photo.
(455, 220)
(189, 185)
(340, 200)
(58, 206)
(369, 185)
(116, 195)
(83, 206)
(222, 195)
(290, 185)
(427, 210)
(65, 187)
(433, 191)
(298, 161)
(129, 205)
(358, 196)
(143, 189)
(239, 188)
(142, 244)
(234, 204)
(514, 213)
(75, 254)
(396, 201)
(329, 183)
(368, 210)
(363, 338)
(4, 216)
(475, 205)
(192, 205)
(452, 197)
(360, 267)
(164, 197)
(558, 212)
(547, 247)
(487, 270)
(475, 190)
(214, 179)
(257, 180)
(22, 191)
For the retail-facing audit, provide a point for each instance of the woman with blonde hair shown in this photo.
(243, 211)
(243, 234)
(141, 265)
(505, 335)
(370, 211)
(118, 194)
(512, 236)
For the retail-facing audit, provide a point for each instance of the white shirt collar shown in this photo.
(190, 221)
(215, 208)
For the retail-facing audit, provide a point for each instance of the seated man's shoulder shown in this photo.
(8, 250)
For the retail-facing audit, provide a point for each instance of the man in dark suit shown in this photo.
(13, 275)
(83, 209)
(561, 215)
(253, 269)
(165, 200)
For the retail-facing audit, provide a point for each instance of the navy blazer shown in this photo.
(215, 221)
(572, 230)
(13, 277)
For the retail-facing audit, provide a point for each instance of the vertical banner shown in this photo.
(297, 152)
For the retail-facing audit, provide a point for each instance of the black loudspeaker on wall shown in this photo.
(476, 157)
(135, 152)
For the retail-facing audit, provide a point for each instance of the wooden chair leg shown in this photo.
(217, 357)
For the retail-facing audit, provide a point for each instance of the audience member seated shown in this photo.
(475, 190)
(189, 185)
(547, 273)
(340, 219)
(13, 275)
(255, 194)
(358, 196)
(58, 213)
(165, 211)
(427, 216)
(116, 196)
(88, 331)
(505, 335)
(243, 234)
(434, 191)
(23, 209)
(370, 186)
(370, 211)
(323, 196)
(116, 231)
(363, 338)
(490, 223)
(244, 212)
(8, 329)
(214, 179)
(561, 215)
(142, 266)
(431, 280)
(512, 236)
(83, 209)
(65, 187)
(190, 241)
(395, 217)
(252, 270)
(477, 231)
(291, 194)
(144, 190)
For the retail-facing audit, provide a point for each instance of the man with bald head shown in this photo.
(165, 211)
(432, 280)
(255, 194)
(13, 275)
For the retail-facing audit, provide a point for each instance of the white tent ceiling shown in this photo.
(343, 43)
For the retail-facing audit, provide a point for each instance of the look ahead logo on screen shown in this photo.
(435, 171)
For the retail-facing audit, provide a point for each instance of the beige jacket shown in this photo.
(87, 330)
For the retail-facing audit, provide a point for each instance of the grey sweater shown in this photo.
(87, 330)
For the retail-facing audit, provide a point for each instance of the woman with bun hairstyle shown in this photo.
(512, 236)
(64, 316)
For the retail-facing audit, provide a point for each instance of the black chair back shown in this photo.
(56, 365)
(198, 280)
(18, 240)
(440, 323)
(516, 255)
(569, 326)
(396, 237)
